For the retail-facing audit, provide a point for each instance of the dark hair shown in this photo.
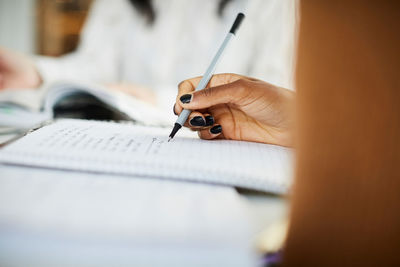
(146, 8)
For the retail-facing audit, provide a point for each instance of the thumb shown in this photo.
(208, 97)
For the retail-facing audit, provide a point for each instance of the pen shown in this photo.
(207, 76)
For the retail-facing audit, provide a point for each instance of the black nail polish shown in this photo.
(216, 129)
(209, 120)
(186, 98)
(174, 110)
(197, 121)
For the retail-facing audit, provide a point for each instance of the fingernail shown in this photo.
(174, 110)
(216, 129)
(186, 98)
(209, 120)
(197, 121)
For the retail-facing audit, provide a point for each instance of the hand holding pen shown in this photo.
(239, 108)
(183, 116)
(231, 106)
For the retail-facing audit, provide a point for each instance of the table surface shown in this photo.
(264, 210)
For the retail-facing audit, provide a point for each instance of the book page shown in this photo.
(21, 108)
(135, 150)
(29, 98)
(133, 107)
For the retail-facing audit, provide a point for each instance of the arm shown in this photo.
(97, 58)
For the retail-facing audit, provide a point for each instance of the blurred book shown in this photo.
(26, 108)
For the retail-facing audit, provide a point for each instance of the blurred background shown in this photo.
(140, 49)
(145, 62)
(45, 27)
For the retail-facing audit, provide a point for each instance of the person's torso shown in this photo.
(184, 38)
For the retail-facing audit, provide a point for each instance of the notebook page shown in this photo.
(135, 150)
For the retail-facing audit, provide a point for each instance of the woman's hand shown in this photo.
(238, 107)
(17, 71)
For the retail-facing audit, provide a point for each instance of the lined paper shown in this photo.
(123, 149)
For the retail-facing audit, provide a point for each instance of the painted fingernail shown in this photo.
(216, 129)
(186, 98)
(197, 121)
(174, 110)
(209, 120)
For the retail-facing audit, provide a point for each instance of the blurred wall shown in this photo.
(17, 25)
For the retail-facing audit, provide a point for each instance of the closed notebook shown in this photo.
(131, 150)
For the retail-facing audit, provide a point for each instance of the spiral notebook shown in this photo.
(131, 150)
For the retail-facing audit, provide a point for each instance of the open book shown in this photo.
(26, 108)
(131, 150)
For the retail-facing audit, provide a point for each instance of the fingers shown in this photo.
(205, 125)
(214, 132)
(222, 94)
(197, 121)
(185, 87)
(222, 89)
(188, 86)
(216, 80)
(213, 125)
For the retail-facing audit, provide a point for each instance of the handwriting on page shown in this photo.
(82, 139)
(155, 146)
(134, 150)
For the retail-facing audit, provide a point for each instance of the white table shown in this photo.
(262, 210)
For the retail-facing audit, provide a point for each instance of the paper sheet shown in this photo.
(134, 150)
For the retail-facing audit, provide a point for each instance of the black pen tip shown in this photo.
(176, 128)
